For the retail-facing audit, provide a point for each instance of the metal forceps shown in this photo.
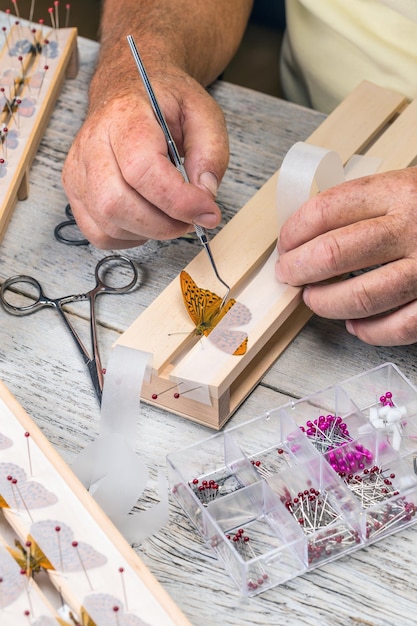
(74, 237)
(173, 152)
(92, 361)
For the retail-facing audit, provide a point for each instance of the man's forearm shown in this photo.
(197, 36)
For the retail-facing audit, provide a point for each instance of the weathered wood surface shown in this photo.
(41, 367)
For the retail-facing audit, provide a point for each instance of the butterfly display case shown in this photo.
(307, 482)
(34, 62)
(62, 561)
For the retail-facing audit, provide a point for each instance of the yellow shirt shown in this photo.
(331, 45)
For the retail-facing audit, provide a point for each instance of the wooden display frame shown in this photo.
(372, 120)
(39, 462)
(14, 184)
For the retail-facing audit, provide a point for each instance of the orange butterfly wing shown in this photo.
(3, 503)
(242, 348)
(204, 308)
(227, 341)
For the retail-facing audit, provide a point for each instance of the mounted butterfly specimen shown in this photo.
(209, 316)
(30, 557)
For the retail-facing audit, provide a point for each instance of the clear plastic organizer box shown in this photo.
(307, 482)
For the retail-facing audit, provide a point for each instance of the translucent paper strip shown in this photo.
(305, 165)
(110, 468)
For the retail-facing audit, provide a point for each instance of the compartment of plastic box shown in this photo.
(389, 401)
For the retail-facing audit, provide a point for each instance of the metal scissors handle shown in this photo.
(173, 152)
(74, 238)
(93, 361)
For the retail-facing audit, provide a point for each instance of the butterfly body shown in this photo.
(209, 319)
(206, 309)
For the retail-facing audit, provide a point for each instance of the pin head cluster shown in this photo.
(318, 518)
(242, 543)
(351, 460)
(327, 432)
(387, 416)
(206, 490)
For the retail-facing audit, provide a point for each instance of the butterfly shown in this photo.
(30, 557)
(206, 311)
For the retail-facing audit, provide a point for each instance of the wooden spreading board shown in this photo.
(38, 88)
(51, 494)
(372, 121)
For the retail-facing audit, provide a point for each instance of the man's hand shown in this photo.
(369, 223)
(122, 187)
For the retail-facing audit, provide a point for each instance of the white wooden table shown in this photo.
(40, 365)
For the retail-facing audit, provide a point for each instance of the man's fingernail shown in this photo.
(350, 327)
(278, 272)
(207, 220)
(210, 182)
(306, 296)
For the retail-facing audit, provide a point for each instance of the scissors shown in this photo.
(104, 266)
(172, 152)
(74, 238)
